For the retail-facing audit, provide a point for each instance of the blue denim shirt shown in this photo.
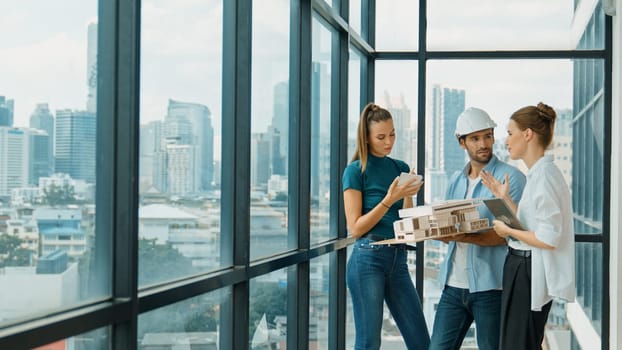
(484, 264)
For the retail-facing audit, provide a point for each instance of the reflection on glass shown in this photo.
(319, 312)
(268, 311)
(350, 329)
(180, 104)
(269, 127)
(354, 99)
(585, 139)
(98, 339)
(48, 119)
(396, 90)
(320, 130)
(513, 25)
(355, 16)
(189, 324)
(397, 25)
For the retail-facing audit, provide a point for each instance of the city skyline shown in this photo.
(66, 48)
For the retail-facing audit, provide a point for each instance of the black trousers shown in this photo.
(521, 328)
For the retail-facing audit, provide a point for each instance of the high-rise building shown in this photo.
(561, 147)
(6, 111)
(75, 144)
(40, 156)
(445, 156)
(150, 144)
(404, 132)
(24, 157)
(200, 134)
(280, 127)
(14, 164)
(43, 119)
(181, 168)
(260, 154)
(91, 68)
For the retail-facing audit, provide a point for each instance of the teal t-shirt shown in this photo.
(373, 184)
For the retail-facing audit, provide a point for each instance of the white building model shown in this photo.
(442, 219)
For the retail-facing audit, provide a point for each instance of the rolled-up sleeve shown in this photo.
(548, 216)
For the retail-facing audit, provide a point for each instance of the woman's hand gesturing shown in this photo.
(498, 189)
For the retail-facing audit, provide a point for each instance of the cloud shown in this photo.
(51, 70)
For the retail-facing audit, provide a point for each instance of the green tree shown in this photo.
(160, 262)
(12, 253)
(268, 298)
(59, 195)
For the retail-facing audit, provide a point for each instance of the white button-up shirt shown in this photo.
(546, 210)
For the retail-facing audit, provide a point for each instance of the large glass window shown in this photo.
(354, 100)
(180, 109)
(397, 25)
(511, 25)
(269, 127)
(319, 312)
(189, 324)
(96, 339)
(321, 92)
(48, 122)
(268, 311)
(355, 15)
(500, 88)
(396, 90)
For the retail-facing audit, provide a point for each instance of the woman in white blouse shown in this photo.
(540, 261)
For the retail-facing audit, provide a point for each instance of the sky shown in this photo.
(43, 53)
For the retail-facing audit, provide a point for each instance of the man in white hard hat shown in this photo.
(471, 273)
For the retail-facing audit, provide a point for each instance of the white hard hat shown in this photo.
(472, 120)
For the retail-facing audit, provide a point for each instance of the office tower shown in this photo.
(13, 159)
(280, 125)
(260, 154)
(6, 111)
(75, 144)
(320, 129)
(160, 170)
(277, 160)
(91, 68)
(40, 155)
(181, 168)
(403, 148)
(150, 143)
(561, 147)
(445, 156)
(43, 119)
(200, 134)
(453, 157)
(24, 157)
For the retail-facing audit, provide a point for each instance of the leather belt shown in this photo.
(521, 253)
(374, 237)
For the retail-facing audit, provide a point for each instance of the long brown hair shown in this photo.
(540, 119)
(372, 113)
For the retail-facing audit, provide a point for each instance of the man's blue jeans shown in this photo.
(375, 274)
(455, 312)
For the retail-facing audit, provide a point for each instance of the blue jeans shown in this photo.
(376, 274)
(457, 309)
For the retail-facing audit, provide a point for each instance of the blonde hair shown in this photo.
(372, 113)
(540, 119)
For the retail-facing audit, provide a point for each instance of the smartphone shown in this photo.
(405, 177)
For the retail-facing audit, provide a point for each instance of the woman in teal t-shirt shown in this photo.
(379, 273)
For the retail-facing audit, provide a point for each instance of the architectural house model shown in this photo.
(442, 219)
